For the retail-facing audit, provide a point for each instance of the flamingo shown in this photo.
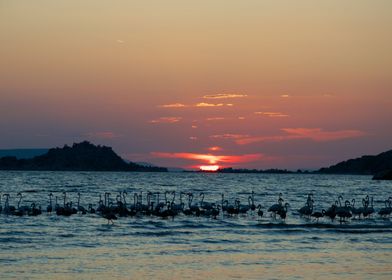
(308, 208)
(49, 208)
(355, 211)
(317, 215)
(81, 208)
(259, 211)
(203, 204)
(276, 207)
(368, 211)
(387, 210)
(282, 212)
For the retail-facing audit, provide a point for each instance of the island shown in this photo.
(380, 166)
(83, 156)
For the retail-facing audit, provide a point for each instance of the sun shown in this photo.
(209, 168)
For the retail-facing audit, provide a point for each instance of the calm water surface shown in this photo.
(85, 247)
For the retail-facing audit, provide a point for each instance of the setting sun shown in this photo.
(210, 168)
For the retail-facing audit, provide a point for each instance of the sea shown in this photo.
(243, 246)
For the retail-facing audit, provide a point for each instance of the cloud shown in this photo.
(174, 105)
(215, 119)
(202, 104)
(211, 159)
(285, 96)
(120, 41)
(230, 136)
(102, 135)
(166, 120)
(317, 134)
(272, 114)
(224, 95)
(254, 139)
(193, 138)
(314, 134)
(215, 148)
(197, 105)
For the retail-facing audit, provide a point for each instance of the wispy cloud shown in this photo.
(166, 120)
(174, 105)
(197, 105)
(318, 134)
(215, 148)
(285, 96)
(314, 134)
(211, 159)
(215, 119)
(203, 104)
(272, 114)
(255, 139)
(230, 136)
(224, 95)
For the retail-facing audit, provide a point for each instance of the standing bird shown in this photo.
(308, 208)
(276, 207)
(344, 212)
(282, 212)
(317, 215)
(109, 215)
(369, 210)
(355, 211)
(387, 210)
(260, 212)
(49, 208)
(81, 208)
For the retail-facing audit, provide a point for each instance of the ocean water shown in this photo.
(187, 247)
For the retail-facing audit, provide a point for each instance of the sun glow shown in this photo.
(210, 168)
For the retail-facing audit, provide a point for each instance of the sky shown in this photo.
(244, 84)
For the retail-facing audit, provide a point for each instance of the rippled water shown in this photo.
(56, 247)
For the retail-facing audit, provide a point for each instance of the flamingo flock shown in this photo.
(169, 205)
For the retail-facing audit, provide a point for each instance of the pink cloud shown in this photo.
(215, 119)
(254, 139)
(166, 120)
(211, 159)
(203, 104)
(215, 148)
(230, 136)
(224, 95)
(272, 114)
(197, 105)
(174, 105)
(315, 134)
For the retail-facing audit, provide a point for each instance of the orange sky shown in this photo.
(287, 84)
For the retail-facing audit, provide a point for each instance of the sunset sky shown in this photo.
(255, 84)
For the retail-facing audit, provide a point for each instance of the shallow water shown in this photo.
(56, 247)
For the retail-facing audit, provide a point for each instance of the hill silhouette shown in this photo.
(365, 165)
(82, 156)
